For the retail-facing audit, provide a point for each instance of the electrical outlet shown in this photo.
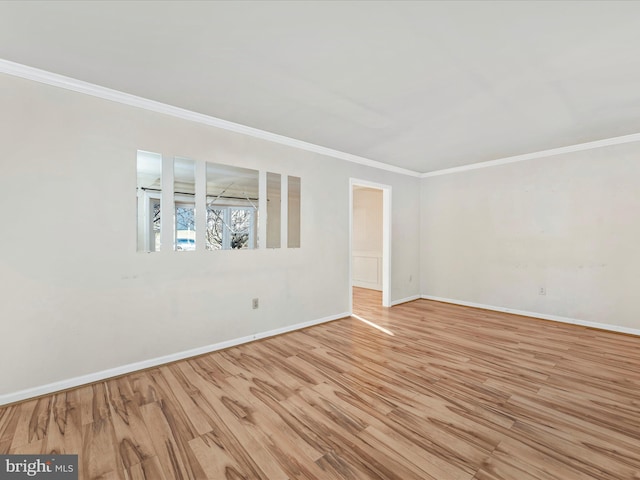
(542, 291)
(410, 278)
(255, 303)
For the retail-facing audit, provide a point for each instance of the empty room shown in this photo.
(320, 240)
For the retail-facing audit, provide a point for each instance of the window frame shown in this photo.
(148, 198)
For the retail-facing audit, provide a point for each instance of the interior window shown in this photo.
(149, 194)
(184, 182)
(293, 213)
(274, 209)
(232, 214)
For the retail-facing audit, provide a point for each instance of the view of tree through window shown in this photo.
(232, 208)
(214, 229)
(156, 225)
(230, 228)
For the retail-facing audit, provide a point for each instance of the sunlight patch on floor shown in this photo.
(371, 324)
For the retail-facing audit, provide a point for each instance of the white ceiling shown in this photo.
(419, 85)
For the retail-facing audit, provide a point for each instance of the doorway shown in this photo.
(370, 240)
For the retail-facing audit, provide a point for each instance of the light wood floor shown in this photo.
(449, 393)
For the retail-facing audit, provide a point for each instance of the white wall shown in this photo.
(568, 223)
(76, 296)
(367, 238)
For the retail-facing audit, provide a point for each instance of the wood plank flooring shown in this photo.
(447, 393)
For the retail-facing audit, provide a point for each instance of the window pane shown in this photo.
(274, 209)
(293, 213)
(156, 225)
(149, 193)
(184, 188)
(241, 223)
(232, 207)
(214, 228)
(185, 227)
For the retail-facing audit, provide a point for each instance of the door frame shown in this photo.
(386, 238)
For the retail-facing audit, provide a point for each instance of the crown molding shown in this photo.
(68, 83)
(635, 137)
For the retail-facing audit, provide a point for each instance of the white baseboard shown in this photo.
(405, 300)
(544, 316)
(154, 362)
